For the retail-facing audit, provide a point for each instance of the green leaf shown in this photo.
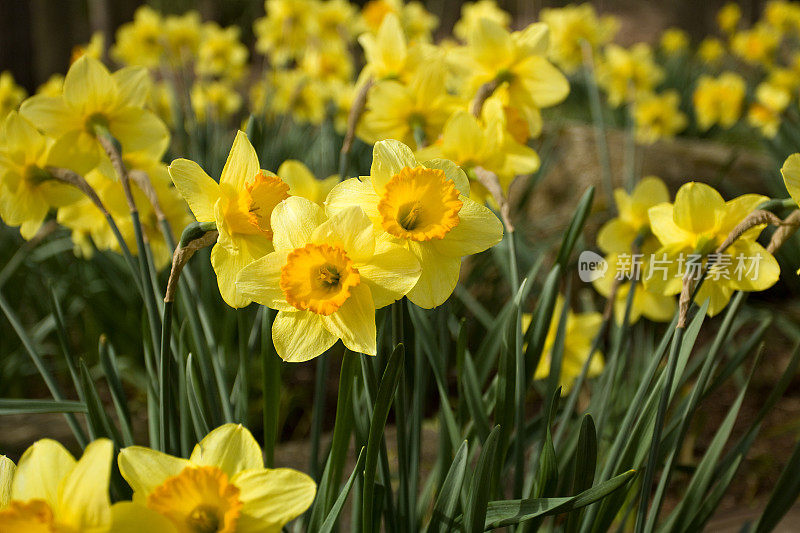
(108, 361)
(542, 316)
(585, 466)
(14, 406)
(478, 499)
(575, 227)
(474, 400)
(330, 520)
(446, 501)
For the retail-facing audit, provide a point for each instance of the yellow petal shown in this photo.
(349, 229)
(145, 469)
(139, 130)
(697, 207)
(260, 281)
(7, 468)
(20, 135)
(663, 226)
(40, 471)
(752, 267)
(718, 294)
(616, 237)
(231, 448)
(130, 517)
(389, 157)
(543, 82)
(535, 38)
(272, 497)
(300, 336)
(133, 84)
(463, 135)
(390, 273)
(354, 321)
(452, 172)
(354, 191)
(648, 192)
(490, 42)
(737, 210)
(438, 277)
(50, 114)
(791, 176)
(83, 497)
(197, 188)
(293, 221)
(229, 261)
(478, 229)
(75, 150)
(242, 163)
(300, 180)
(89, 87)
(657, 307)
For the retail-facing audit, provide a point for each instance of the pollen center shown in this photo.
(419, 204)
(31, 516)
(198, 500)
(318, 278)
(248, 211)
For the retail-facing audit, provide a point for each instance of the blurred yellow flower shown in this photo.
(94, 48)
(756, 46)
(140, 42)
(719, 100)
(50, 491)
(240, 204)
(221, 53)
(299, 96)
(215, 100)
(53, 87)
(302, 182)
(728, 17)
(691, 230)
(711, 51)
(765, 112)
(572, 25)
(426, 209)
(473, 12)
(11, 94)
(182, 34)
(658, 116)
(223, 486)
(618, 234)
(580, 330)
(326, 278)
(283, 33)
(674, 41)
(627, 74)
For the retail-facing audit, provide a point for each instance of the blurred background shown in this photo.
(37, 36)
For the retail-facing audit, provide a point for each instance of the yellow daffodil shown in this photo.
(375, 11)
(182, 34)
(691, 230)
(240, 204)
(334, 21)
(221, 53)
(223, 486)
(54, 86)
(50, 491)
(791, 176)
(785, 78)
(11, 94)
(326, 278)
(215, 101)
(719, 100)
(94, 48)
(650, 304)
(628, 74)
(418, 22)
(385, 52)
(426, 209)
(517, 62)
(327, 65)
(711, 51)
(782, 16)
(283, 33)
(572, 25)
(299, 96)
(728, 17)
(416, 111)
(765, 112)
(303, 183)
(618, 234)
(658, 116)
(140, 42)
(93, 98)
(473, 12)
(756, 46)
(674, 41)
(27, 189)
(579, 334)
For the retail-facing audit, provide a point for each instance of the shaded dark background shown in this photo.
(37, 36)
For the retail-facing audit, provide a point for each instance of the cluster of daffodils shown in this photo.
(401, 231)
(222, 486)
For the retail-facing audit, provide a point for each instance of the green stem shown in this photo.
(165, 378)
(596, 108)
(271, 385)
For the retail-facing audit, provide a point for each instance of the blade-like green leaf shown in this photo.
(478, 499)
(446, 501)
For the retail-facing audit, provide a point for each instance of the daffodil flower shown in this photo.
(424, 207)
(581, 328)
(326, 278)
(240, 204)
(27, 190)
(719, 100)
(50, 491)
(223, 486)
(618, 234)
(696, 225)
(658, 116)
(570, 27)
(303, 183)
(95, 99)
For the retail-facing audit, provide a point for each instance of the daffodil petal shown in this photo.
(231, 448)
(7, 469)
(242, 163)
(83, 496)
(663, 226)
(752, 267)
(736, 210)
(50, 114)
(452, 172)
(228, 262)
(300, 336)
(272, 497)
(718, 294)
(791, 176)
(390, 273)
(198, 188)
(40, 471)
(145, 469)
(351, 192)
(697, 207)
(438, 277)
(89, 87)
(478, 229)
(133, 84)
(349, 229)
(354, 321)
(293, 222)
(389, 157)
(616, 237)
(130, 517)
(260, 281)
